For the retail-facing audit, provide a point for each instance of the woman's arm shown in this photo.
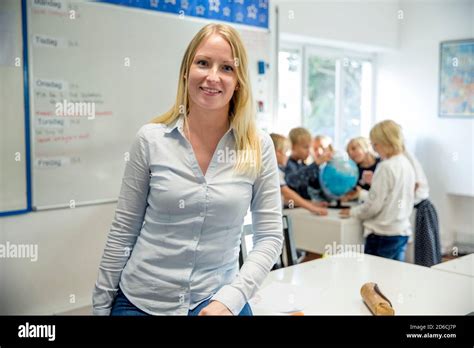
(126, 225)
(267, 238)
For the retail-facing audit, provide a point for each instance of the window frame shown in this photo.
(306, 50)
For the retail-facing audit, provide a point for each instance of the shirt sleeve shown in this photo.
(423, 190)
(377, 195)
(267, 237)
(126, 225)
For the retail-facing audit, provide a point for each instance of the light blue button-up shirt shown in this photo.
(174, 241)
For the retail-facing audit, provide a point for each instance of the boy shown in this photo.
(282, 146)
(298, 175)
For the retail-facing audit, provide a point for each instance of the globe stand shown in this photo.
(338, 205)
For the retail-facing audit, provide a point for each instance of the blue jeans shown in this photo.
(123, 307)
(391, 247)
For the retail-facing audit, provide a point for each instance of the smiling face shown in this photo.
(212, 77)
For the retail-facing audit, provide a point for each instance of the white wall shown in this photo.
(407, 89)
(363, 23)
(70, 244)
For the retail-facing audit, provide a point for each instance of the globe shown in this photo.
(338, 176)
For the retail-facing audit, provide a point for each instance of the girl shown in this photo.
(386, 212)
(360, 151)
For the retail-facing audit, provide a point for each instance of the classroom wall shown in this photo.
(407, 91)
(355, 23)
(70, 244)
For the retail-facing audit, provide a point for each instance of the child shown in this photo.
(282, 146)
(387, 210)
(298, 175)
(360, 151)
(322, 144)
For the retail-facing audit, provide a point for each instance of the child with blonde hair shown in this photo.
(300, 177)
(361, 152)
(386, 212)
(289, 196)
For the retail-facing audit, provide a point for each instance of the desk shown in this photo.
(314, 233)
(331, 286)
(462, 265)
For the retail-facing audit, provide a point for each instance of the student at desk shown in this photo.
(386, 212)
(289, 196)
(361, 152)
(300, 177)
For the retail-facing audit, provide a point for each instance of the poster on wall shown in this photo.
(456, 79)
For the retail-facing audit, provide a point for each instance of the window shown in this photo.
(328, 91)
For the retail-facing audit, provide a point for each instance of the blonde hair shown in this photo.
(298, 134)
(388, 134)
(241, 108)
(280, 142)
(363, 143)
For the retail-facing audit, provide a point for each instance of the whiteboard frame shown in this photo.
(26, 101)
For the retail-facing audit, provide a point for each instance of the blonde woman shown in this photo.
(174, 242)
(386, 212)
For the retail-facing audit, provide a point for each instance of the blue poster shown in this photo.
(246, 12)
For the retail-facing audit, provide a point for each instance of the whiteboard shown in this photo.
(125, 61)
(13, 157)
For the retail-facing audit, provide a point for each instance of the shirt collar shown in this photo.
(179, 123)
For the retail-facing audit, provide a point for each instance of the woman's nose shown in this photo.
(213, 74)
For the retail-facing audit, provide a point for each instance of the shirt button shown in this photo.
(195, 238)
(201, 214)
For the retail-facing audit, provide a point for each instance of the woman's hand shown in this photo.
(215, 308)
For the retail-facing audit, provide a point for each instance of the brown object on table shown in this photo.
(377, 303)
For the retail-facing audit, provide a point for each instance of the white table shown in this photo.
(331, 286)
(462, 265)
(318, 233)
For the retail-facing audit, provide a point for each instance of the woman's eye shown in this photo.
(228, 68)
(201, 62)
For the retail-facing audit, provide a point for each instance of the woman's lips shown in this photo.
(210, 91)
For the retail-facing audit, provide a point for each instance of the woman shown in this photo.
(174, 242)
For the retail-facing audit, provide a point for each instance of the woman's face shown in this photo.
(356, 153)
(212, 76)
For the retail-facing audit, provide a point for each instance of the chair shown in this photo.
(288, 257)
